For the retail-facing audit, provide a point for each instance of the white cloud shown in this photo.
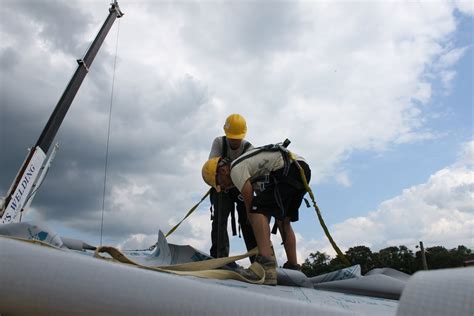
(438, 212)
(465, 6)
(343, 179)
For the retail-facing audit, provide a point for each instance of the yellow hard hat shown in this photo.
(209, 171)
(235, 126)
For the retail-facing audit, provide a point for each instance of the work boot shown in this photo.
(269, 265)
(247, 273)
(290, 266)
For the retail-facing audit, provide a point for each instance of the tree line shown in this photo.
(400, 258)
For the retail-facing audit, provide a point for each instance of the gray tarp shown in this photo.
(52, 281)
(342, 274)
(439, 293)
(378, 285)
(39, 280)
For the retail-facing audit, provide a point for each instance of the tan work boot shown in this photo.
(248, 273)
(269, 265)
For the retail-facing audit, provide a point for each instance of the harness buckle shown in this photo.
(264, 182)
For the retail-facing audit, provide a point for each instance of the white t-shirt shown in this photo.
(258, 165)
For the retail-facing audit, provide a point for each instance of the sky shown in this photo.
(377, 96)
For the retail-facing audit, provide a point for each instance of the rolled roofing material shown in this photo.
(390, 272)
(293, 278)
(76, 244)
(439, 292)
(48, 280)
(41, 280)
(378, 285)
(342, 274)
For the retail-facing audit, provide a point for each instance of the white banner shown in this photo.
(23, 188)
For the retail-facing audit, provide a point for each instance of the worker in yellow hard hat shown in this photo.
(271, 186)
(224, 203)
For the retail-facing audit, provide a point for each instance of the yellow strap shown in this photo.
(318, 212)
(203, 269)
(187, 214)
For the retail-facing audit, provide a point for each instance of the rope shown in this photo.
(108, 135)
(318, 212)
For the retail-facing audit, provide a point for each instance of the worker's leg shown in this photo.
(265, 258)
(219, 234)
(288, 236)
(246, 228)
(292, 197)
(261, 230)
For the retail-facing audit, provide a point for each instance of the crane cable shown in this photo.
(108, 134)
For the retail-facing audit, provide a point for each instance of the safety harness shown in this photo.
(273, 179)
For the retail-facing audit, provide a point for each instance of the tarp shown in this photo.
(29, 231)
(439, 293)
(50, 279)
(378, 285)
(342, 274)
(41, 280)
(166, 254)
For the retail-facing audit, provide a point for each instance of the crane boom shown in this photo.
(26, 177)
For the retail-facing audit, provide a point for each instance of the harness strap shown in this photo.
(271, 147)
(246, 147)
(224, 146)
(278, 178)
(275, 228)
(232, 221)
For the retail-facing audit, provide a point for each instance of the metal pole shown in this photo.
(423, 256)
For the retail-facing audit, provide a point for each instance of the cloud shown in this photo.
(439, 212)
(334, 78)
(343, 179)
(465, 6)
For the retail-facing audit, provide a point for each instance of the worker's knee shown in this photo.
(284, 222)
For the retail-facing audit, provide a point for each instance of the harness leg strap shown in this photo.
(232, 221)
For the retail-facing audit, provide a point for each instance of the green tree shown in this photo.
(439, 257)
(336, 264)
(316, 264)
(458, 255)
(363, 256)
(400, 258)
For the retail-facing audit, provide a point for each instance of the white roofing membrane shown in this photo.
(40, 280)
